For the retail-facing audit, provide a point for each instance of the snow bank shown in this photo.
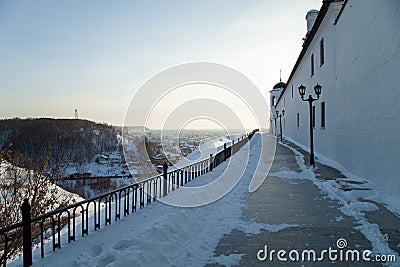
(205, 149)
(162, 235)
(350, 200)
(7, 172)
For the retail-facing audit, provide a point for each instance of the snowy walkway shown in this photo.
(163, 235)
(299, 209)
(295, 208)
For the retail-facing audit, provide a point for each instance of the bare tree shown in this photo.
(35, 183)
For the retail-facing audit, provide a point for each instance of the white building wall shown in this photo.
(368, 86)
(323, 75)
(360, 87)
(274, 94)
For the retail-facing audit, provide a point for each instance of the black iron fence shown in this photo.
(102, 210)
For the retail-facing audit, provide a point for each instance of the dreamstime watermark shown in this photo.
(191, 93)
(338, 254)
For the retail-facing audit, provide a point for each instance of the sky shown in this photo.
(58, 56)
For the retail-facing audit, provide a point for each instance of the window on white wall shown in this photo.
(312, 65)
(298, 120)
(321, 52)
(273, 102)
(323, 115)
(292, 90)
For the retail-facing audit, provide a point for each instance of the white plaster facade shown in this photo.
(275, 93)
(360, 78)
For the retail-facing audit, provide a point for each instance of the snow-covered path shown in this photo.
(160, 234)
(165, 235)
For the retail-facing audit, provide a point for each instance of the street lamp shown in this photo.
(310, 100)
(276, 134)
(280, 120)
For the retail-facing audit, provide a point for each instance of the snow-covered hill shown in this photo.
(18, 183)
(164, 235)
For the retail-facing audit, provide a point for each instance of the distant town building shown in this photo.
(160, 159)
(109, 158)
(352, 49)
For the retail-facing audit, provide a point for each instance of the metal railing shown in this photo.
(103, 209)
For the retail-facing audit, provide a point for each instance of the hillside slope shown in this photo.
(63, 140)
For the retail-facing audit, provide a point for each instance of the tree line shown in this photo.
(61, 140)
(32, 152)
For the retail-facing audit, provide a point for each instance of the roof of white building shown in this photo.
(308, 40)
(279, 85)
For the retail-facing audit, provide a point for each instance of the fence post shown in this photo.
(211, 162)
(165, 170)
(186, 176)
(225, 152)
(233, 147)
(26, 233)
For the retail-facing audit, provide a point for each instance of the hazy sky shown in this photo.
(56, 56)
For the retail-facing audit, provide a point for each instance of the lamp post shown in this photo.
(276, 134)
(280, 121)
(310, 100)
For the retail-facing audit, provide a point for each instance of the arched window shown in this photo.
(273, 102)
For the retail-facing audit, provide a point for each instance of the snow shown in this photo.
(376, 192)
(54, 191)
(205, 149)
(164, 235)
(339, 218)
(112, 166)
(161, 234)
(229, 260)
(350, 200)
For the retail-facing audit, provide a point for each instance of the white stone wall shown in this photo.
(325, 76)
(368, 87)
(275, 93)
(360, 87)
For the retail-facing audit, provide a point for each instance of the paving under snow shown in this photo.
(351, 201)
(165, 235)
(161, 234)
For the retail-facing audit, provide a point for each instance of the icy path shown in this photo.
(162, 235)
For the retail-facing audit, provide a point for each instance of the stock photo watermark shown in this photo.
(199, 92)
(340, 253)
